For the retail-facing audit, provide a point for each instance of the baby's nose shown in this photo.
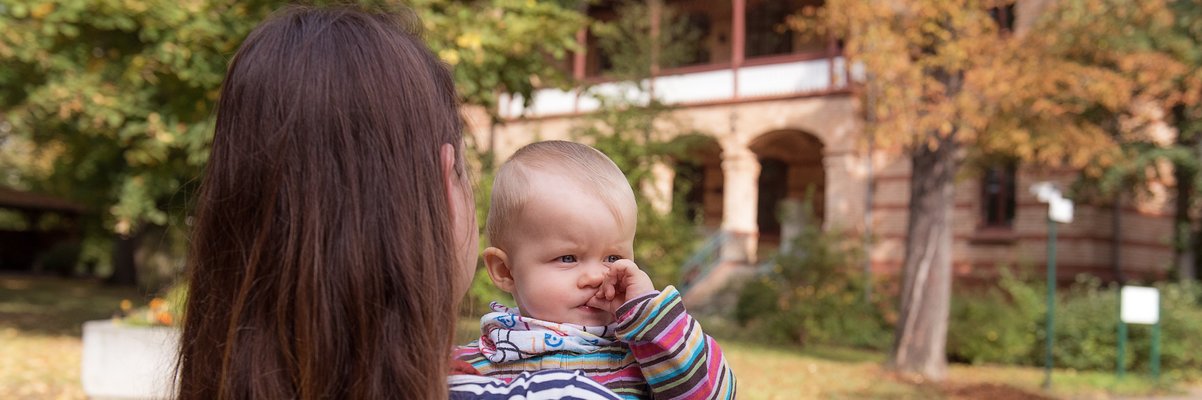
(593, 276)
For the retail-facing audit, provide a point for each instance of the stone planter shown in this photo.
(128, 362)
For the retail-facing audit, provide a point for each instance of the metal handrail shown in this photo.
(702, 262)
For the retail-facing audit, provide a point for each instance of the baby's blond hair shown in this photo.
(588, 167)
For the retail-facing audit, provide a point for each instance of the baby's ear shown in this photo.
(499, 268)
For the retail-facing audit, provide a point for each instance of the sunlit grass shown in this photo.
(40, 325)
(38, 366)
(40, 358)
(1067, 383)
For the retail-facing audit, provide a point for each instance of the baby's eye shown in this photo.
(612, 258)
(567, 259)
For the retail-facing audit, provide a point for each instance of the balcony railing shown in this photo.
(748, 83)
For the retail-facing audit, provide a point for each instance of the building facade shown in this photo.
(772, 121)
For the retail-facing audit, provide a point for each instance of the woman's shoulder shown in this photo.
(552, 384)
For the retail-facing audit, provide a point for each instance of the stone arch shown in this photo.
(791, 176)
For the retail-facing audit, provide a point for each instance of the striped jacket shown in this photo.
(542, 385)
(658, 351)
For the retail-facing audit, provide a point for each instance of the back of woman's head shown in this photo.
(321, 260)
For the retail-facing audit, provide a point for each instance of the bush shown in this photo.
(1087, 329)
(1006, 325)
(814, 296)
(998, 325)
(1181, 329)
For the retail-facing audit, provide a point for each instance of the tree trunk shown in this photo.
(921, 335)
(1116, 239)
(125, 267)
(1183, 227)
(1196, 235)
(1186, 234)
(1194, 226)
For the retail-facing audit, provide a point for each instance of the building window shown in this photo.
(773, 187)
(699, 24)
(998, 200)
(690, 183)
(768, 33)
(766, 30)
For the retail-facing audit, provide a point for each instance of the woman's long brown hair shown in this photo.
(322, 261)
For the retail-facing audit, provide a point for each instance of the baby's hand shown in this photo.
(623, 281)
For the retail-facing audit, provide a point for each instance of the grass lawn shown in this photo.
(40, 358)
(767, 372)
(40, 325)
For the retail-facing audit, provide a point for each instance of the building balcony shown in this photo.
(770, 78)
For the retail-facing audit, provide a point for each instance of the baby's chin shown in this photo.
(591, 316)
(583, 315)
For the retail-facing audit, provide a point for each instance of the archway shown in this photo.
(697, 183)
(792, 186)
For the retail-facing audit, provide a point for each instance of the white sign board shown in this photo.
(1060, 210)
(1045, 191)
(1140, 305)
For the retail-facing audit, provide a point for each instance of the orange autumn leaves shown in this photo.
(1054, 87)
(158, 312)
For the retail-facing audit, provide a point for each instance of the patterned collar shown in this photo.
(506, 335)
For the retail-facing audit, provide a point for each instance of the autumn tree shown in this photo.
(1151, 51)
(1143, 49)
(945, 82)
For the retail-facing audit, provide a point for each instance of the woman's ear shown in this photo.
(499, 268)
(456, 195)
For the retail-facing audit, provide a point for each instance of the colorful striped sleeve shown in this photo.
(677, 358)
(542, 385)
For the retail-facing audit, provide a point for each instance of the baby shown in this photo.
(561, 226)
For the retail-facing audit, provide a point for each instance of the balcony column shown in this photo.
(579, 59)
(659, 187)
(738, 40)
(579, 56)
(832, 47)
(740, 192)
(656, 8)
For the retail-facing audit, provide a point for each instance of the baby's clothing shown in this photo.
(653, 350)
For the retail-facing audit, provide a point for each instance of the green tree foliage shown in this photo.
(110, 102)
(118, 94)
(636, 48)
(503, 46)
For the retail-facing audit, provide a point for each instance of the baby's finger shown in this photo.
(623, 266)
(605, 282)
(598, 303)
(634, 282)
(615, 281)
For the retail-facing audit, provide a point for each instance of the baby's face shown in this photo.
(560, 249)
